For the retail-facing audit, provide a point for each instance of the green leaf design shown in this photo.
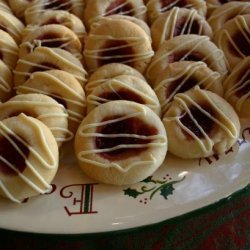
(131, 192)
(167, 190)
(149, 180)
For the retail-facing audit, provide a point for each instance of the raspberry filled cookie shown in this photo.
(28, 158)
(121, 142)
(200, 123)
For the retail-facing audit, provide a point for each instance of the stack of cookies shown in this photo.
(125, 80)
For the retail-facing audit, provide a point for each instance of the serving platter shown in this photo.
(79, 205)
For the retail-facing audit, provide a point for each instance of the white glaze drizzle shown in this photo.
(159, 141)
(206, 144)
(33, 64)
(68, 135)
(50, 163)
(76, 98)
(12, 29)
(242, 26)
(4, 85)
(187, 72)
(133, 42)
(243, 82)
(138, 10)
(37, 8)
(113, 86)
(216, 55)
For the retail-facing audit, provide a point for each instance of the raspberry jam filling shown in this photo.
(188, 84)
(189, 28)
(185, 56)
(122, 94)
(242, 44)
(165, 3)
(52, 21)
(57, 5)
(51, 36)
(120, 7)
(128, 126)
(202, 119)
(10, 154)
(116, 51)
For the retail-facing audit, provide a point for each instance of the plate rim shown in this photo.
(178, 218)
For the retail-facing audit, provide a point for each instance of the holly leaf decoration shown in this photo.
(167, 190)
(131, 192)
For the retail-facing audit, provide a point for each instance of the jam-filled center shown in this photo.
(168, 4)
(116, 51)
(184, 26)
(174, 86)
(204, 121)
(52, 20)
(128, 126)
(11, 156)
(120, 7)
(57, 5)
(185, 56)
(122, 94)
(51, 40)
(241, 43)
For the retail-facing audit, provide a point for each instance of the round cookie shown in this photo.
(124, 87)
(176, 22)
(109, 71)
(52, 36)
(119, 41)
(38, 7)
(19, 6)
(237, 86)
(8, 49)
(200, 123)
(233, 39)
(6, 83)
(227, 12)
(43, 58)
(43, 108)
(157, 7)
(179, 77)
(61, 86)
(121, 143)
(59, 17)
(187, 48)
(10, 24)
(28, 158)
(97, 9)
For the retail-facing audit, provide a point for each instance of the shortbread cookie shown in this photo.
(38, 7)
(118, 40)
(6, 83)
(43, 58)
(187, 48)
(52, 36)
(237, 88)
(110, 71)
(121, 142)
(28, 158)
(124, 87)
(62, 87)
(11, 25)
(8, 49)
(200, 123)
(179, 77)
(227, 12)
(43, 108)
(157, 7)
(233, 39)
(59, 17)
(176, 22)
(97, 9)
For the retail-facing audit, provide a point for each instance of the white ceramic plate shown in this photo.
(77, 205)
